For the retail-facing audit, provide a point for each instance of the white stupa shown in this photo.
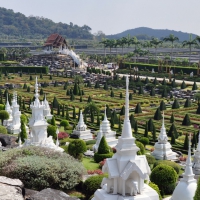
(81, 129)
(185, 190)
(38, 125)
(196, 161)
(106, 131)
(47, 110)
(162, 148)
(126, 171)
(14, 126)
(9, 110)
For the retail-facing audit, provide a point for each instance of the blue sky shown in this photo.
(115, 16)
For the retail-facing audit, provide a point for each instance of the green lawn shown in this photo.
(89, 163)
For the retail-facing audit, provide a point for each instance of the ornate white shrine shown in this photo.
(47, 110)
(196, 160)
(162, 148)
(105, 131)
(81, 130)
(38, 125)
(185, 190)
(126, 170)
(9, 110)
(15, 124)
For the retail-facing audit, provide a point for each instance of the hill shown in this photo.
(17, 24)
(146, 33)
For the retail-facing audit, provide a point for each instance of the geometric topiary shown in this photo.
(183, 85)
(172, 118)
(186, 142)
(188, 103)
(186, 121)
(165, 177)
(157, 115)
(173, 130)
(194, 87)
(162, 106)
(103, 151)
(175, 104)
(138, 109)
(103, 146)
(150, 125)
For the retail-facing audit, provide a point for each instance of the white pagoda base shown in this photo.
(48, 143)
(164, 152)
(147, 194)
(84, 135)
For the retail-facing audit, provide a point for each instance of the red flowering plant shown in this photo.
(102, 163)
(62, 135)
(96, 171)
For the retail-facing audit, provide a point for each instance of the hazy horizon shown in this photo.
(115, 16)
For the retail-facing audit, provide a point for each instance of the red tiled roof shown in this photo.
(55, 40)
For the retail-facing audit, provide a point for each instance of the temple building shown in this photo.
(186, 188)
(126, 170)
(55, 41)
(81, 130)
(14, 125)
(105, 131)
(162, 148)
(9, 110)
(38, 126)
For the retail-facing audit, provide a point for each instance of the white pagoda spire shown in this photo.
(8, 107)
(127, 131)
(162, 138)
(188, 175)
(81, 121)
(37, 101)
(105, 116)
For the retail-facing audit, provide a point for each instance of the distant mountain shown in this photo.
(147, 33)
(18, 25)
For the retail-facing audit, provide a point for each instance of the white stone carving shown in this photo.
(185, 190)
(126, 170)
(162, 148)
(81, 129)
(38, 126)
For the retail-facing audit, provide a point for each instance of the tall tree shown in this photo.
(171, 38)
(138, 109)
(157, 115)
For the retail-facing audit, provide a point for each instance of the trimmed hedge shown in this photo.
(176, 166)
(165, 177)
(99, 157)
(156, 188)
(92, 184)
(141, 146)
(31, 69)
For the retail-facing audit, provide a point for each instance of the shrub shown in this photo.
(39, 168)
(92, 184)
(144, 141)
(176, 166)
(155, 187)
(90, 142)
(51, 130)
(99, 157)
(141, 146)
(23, 118)
(3, 130)
(150, 159)
(64, 123)
(76, 148)
(165, 177)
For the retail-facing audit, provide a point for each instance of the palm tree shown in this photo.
(189, 43)
(135, 42)
(147, 44)
(171, 38)
(155, 42)
(122, 43)
(92, 109)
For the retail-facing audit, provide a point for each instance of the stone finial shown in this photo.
(105, 116)
(127, 131)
